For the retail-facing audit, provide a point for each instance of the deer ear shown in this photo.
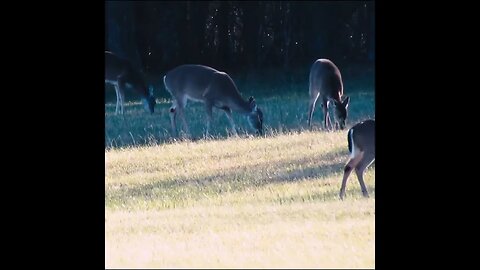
(346, 102)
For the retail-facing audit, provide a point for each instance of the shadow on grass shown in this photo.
(176, 192)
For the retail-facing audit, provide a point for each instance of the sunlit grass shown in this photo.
(241, 202)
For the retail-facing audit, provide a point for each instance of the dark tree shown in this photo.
(243, 37)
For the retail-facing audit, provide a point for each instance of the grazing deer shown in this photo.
(361, 145)
(212, 87)
(326, 84)
(121, 74)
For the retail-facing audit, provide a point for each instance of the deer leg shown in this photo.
(173, 116)
(117, 91)
(121, 88)
(359, 170)
(228, 113)
(181, 113)
(329, 120)
(311, 108)
(326, 116)
(122, 102)
(351, 164)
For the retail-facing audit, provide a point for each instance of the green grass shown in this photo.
(284, 112)
(247, 202)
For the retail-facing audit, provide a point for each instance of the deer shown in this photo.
(326, 83)
(361, 145)
(213, 88)
(121, 74)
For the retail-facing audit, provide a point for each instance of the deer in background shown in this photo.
(213, 88)
(361, 145)
(120, 73)
(326, 84)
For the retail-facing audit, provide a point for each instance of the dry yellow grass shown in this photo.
(238, 203)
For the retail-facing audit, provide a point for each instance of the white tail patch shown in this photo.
(352, 155)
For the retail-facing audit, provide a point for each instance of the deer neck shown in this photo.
(240, 106)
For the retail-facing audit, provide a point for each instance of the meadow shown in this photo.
(283, 102)
(236, 202)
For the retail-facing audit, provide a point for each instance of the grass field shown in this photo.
(261, 202)
(282, 113)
